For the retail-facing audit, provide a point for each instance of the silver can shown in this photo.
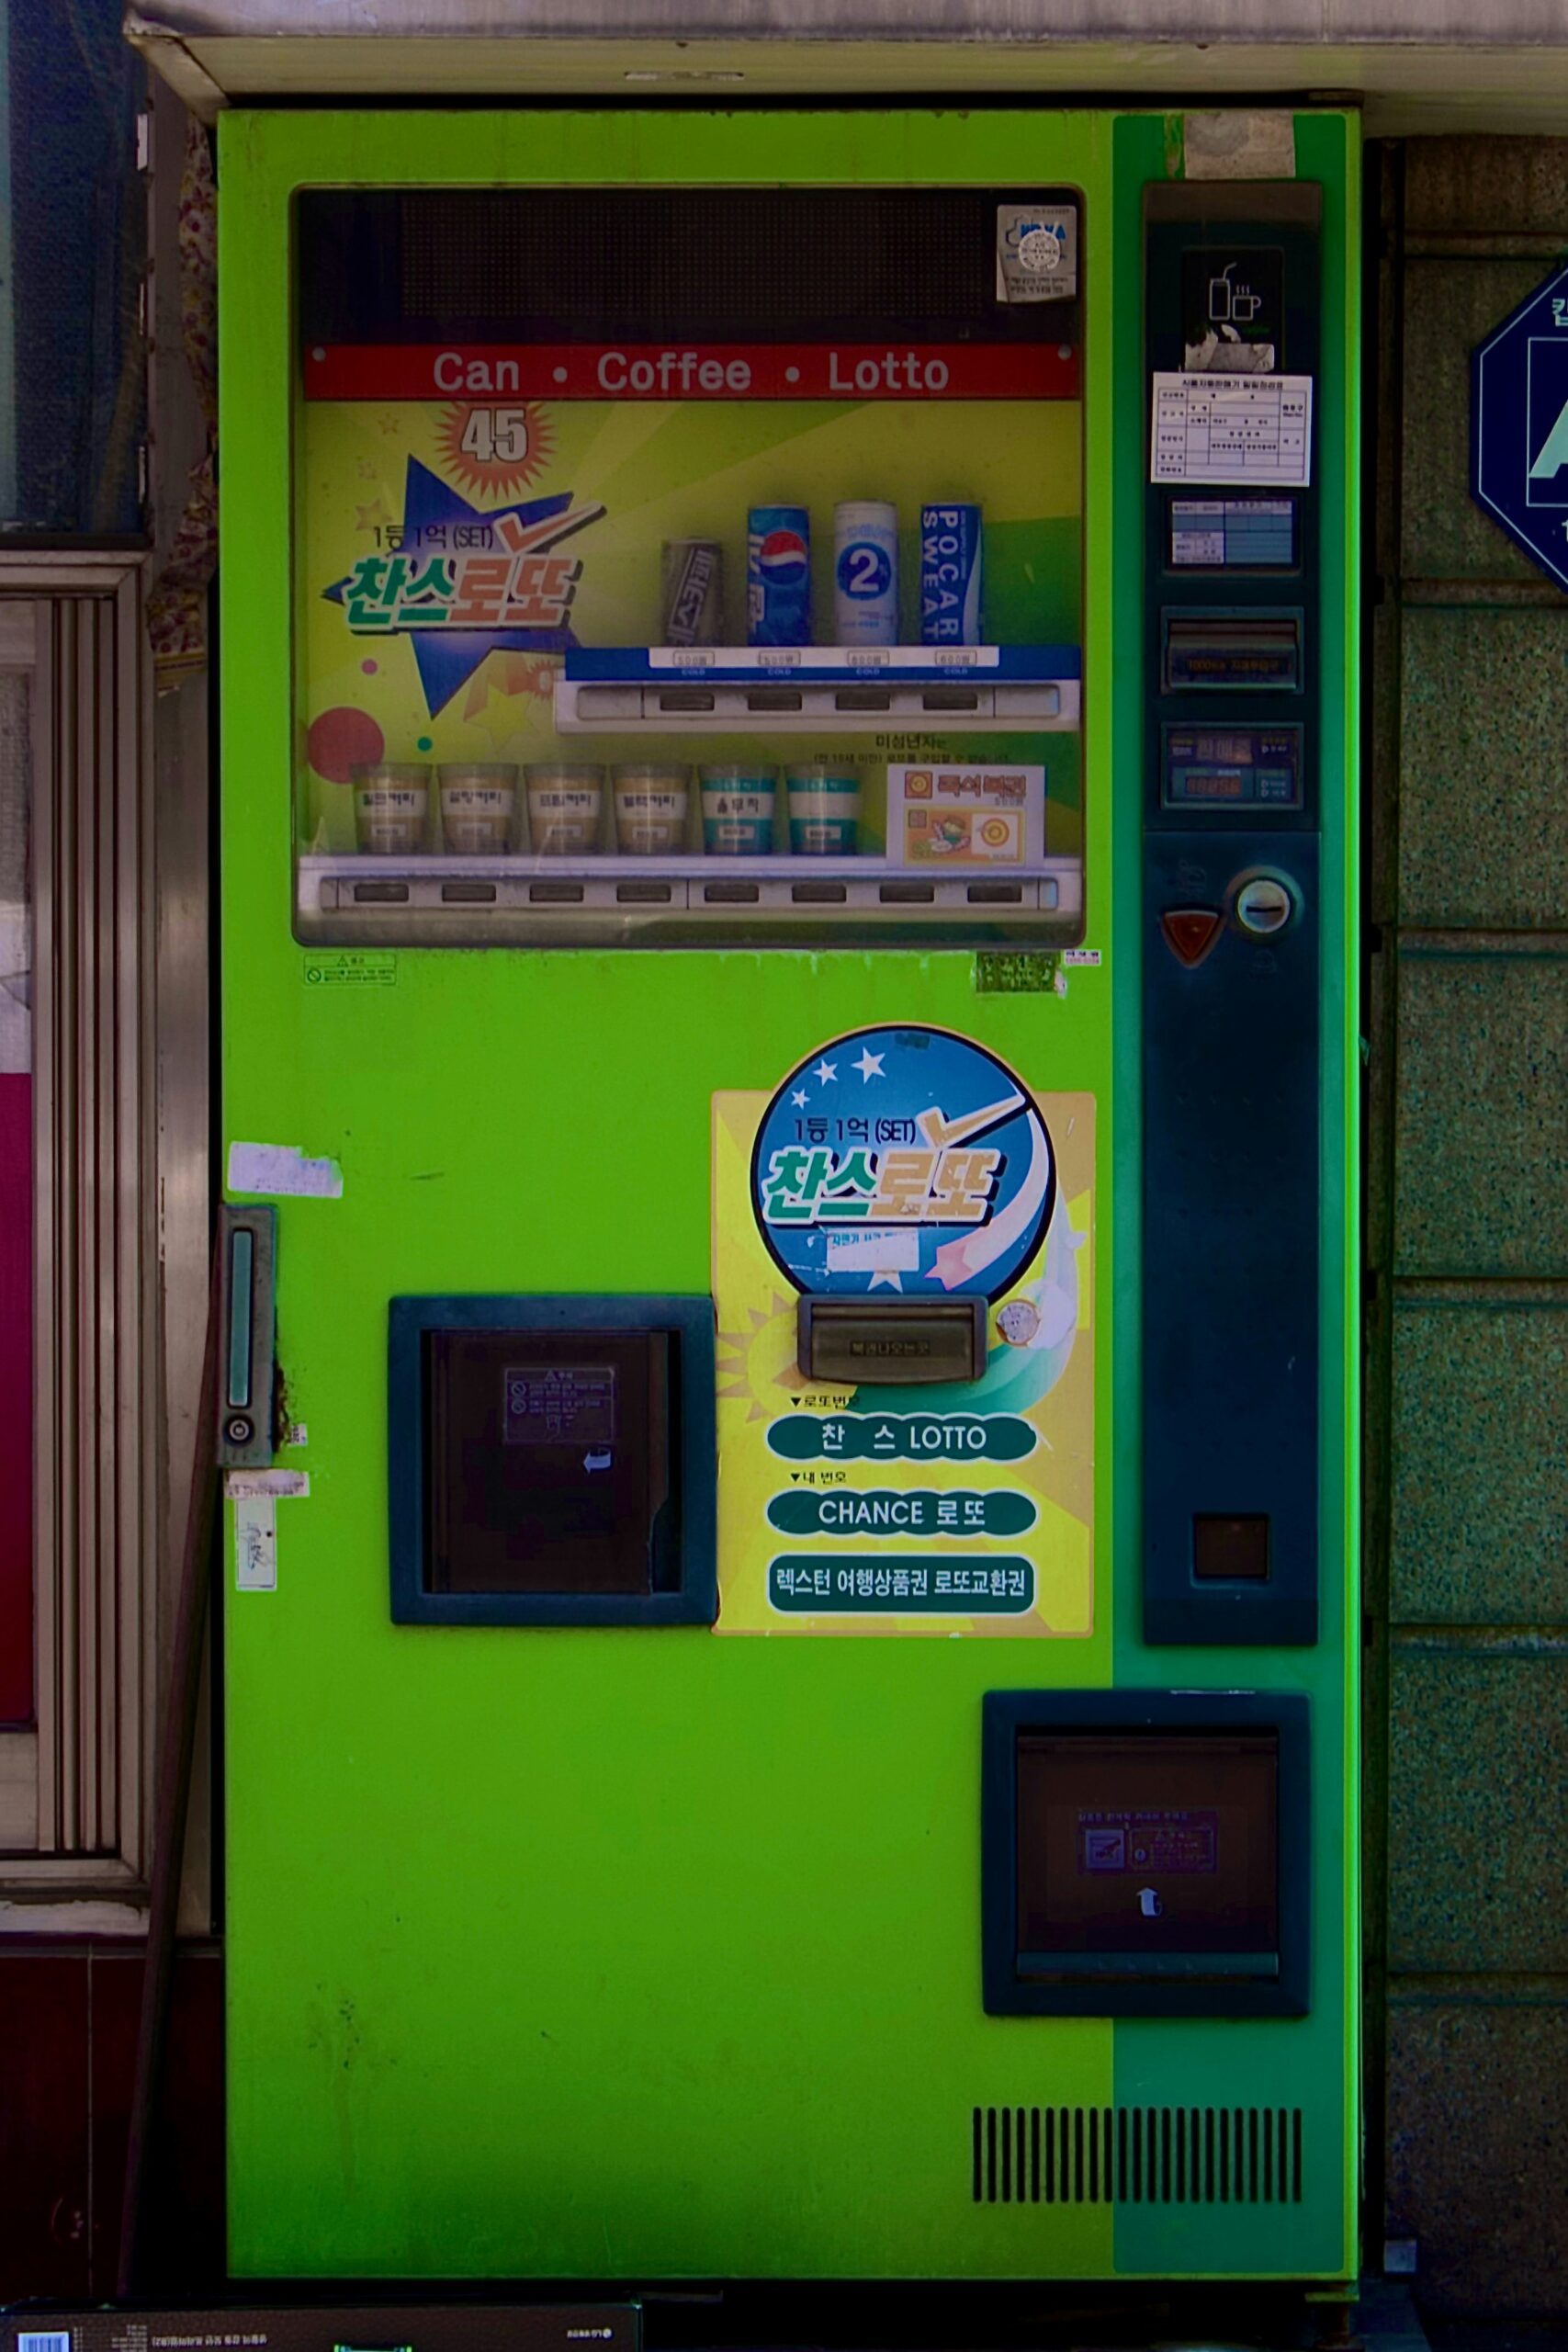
(694, 591)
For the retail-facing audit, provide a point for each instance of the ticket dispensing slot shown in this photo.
(1232, 652)
(1145, 1854)
(894, 1342)
(552, 1461)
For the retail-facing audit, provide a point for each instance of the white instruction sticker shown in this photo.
(1232, 428)
(283, 1168)
(256, 1545)
(250, 1485)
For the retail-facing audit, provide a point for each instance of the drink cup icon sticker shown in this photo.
(1231, 304)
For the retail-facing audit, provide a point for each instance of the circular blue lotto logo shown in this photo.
(904, 1159)
(865, 568)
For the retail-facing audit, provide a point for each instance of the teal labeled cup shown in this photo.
(738, 811)
(824, 810)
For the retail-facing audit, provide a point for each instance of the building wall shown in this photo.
(1468, 1272)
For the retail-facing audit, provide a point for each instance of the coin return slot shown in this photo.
(555, 894)
(774, 698)
(864, 698)
(951, 698)
(467, 893)
(908, 894)
(685, 698)
(380, 894)
(996, 894)
(818, 894)
(643, 893)
(730, 894)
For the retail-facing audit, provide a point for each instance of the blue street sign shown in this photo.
(1518, 426)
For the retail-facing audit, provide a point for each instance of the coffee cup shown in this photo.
(824, 810)
(738, 811)
(391, 802)
(565, 798)
(477, 802)
(650, 808)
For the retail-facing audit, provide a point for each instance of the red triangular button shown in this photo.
(1189, 932)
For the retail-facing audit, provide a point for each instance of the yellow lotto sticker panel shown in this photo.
(961, 1508)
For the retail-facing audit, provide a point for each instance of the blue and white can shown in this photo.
(950, 575)
(778, 576)
(865, 572)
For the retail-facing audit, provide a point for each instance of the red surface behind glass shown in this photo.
(16, 1398)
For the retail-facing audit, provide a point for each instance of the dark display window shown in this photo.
(551, 1460)
(1145, 1854)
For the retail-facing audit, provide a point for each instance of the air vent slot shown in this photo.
(1136, 2155)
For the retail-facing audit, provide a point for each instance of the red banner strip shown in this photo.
(704, 372)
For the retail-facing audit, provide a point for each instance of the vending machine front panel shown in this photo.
(742, 718)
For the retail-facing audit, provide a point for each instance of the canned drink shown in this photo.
(694, 591)
(865, 572)
(950, 575)
(778, 576)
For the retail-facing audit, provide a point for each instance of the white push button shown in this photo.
(1264, 905)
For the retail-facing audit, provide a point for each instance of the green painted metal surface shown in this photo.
(629, 1954)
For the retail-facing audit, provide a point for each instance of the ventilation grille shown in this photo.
(1136, 2155)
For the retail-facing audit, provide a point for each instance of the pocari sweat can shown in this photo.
(865, 572)
(950, 575)
(778, 576)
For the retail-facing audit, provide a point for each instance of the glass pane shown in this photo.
(72, 248)
(682, 566)
(16, 1206)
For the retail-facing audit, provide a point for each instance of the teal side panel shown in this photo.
(1311, 2062)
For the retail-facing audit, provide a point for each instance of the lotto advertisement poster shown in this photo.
(909, 1162)
(455, 546)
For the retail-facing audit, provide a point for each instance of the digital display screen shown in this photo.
(1216, 766)
(1140, 1846)
(1233, 533)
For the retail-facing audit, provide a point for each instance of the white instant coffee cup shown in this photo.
(565, 799)
(391, 803)
(477, 802)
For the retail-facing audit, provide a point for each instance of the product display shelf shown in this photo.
(806, 689)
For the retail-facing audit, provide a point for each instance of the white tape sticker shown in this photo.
(250, 1485)
(283, 1168)
(256, 1545)
(888, 1249)
(1241, 143)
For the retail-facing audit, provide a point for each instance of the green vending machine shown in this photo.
(788, 886)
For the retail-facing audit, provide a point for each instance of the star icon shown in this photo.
(869, 1065)
(800, 1097)
(826, 1072)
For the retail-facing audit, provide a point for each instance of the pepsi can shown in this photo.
(950, 575)
(693, 588)
(865, 572)
(778, 576)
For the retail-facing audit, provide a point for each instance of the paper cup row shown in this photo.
(566, 799)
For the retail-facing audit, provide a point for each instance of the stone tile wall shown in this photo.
(1467, 1222)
